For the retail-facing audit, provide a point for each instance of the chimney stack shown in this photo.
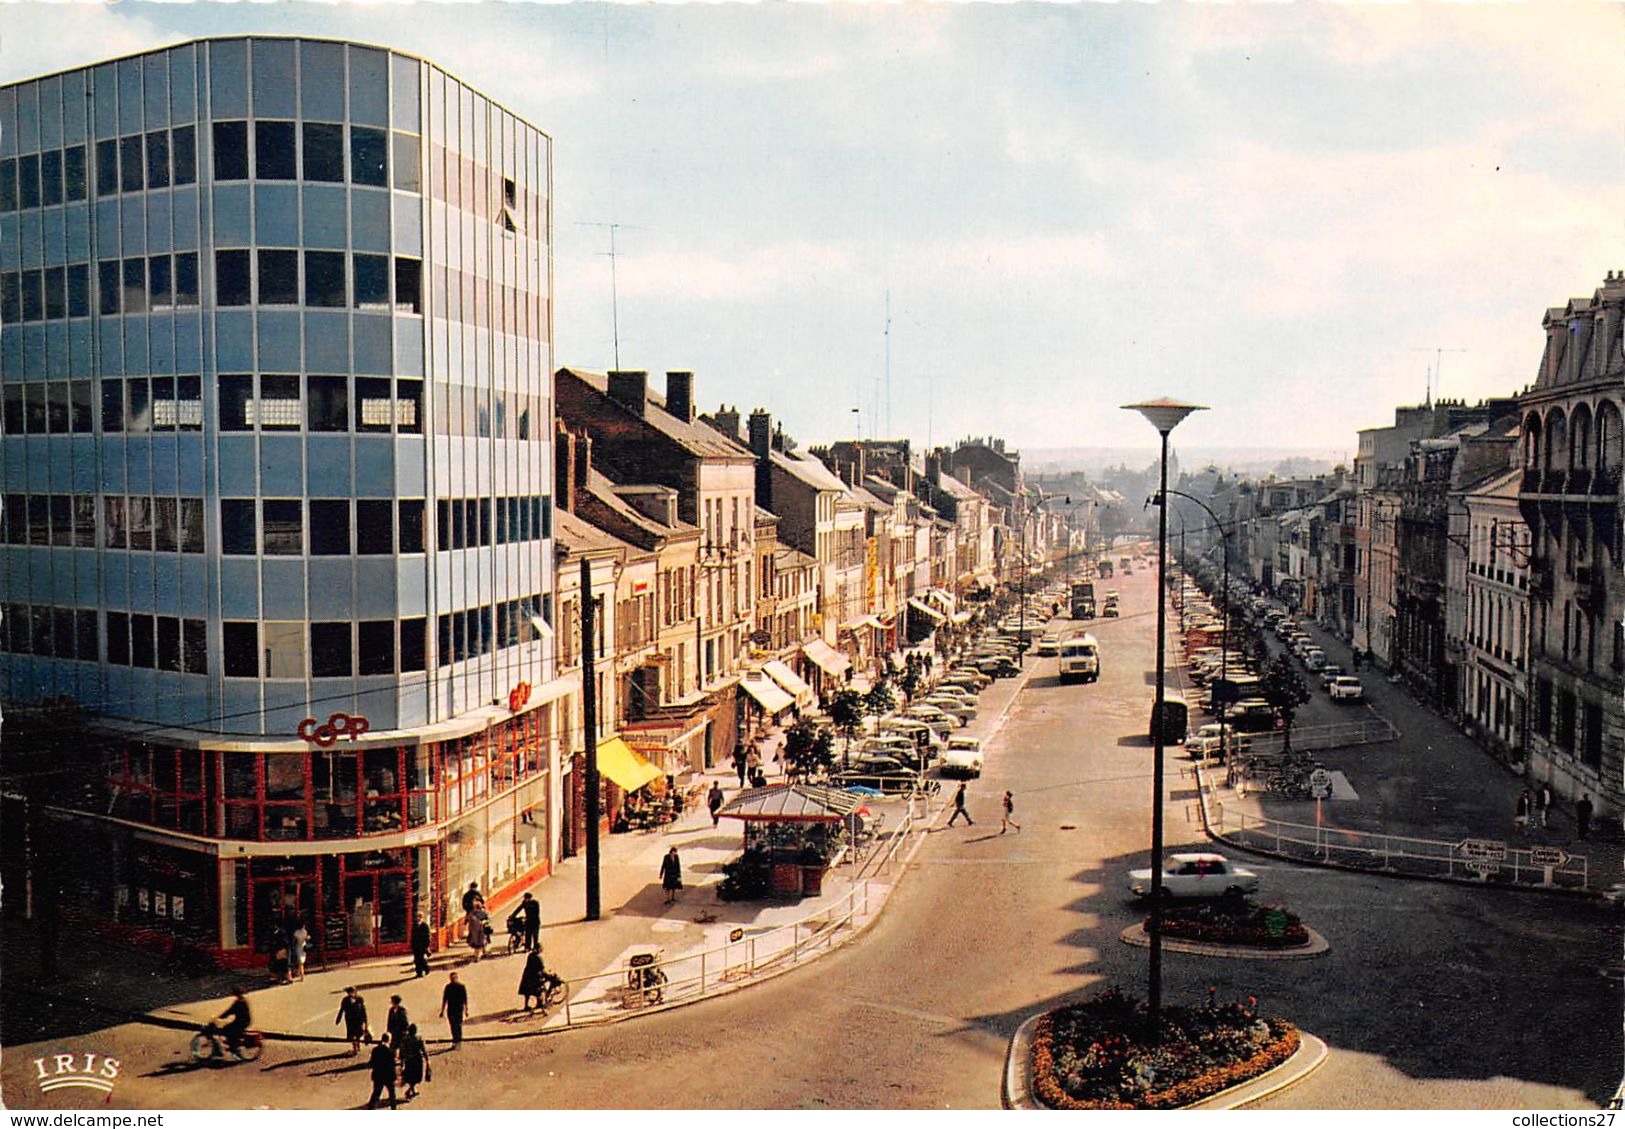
(761, 432)
(680, 395)
(564, 468)
(583, 463)
(728, 421)
(630, 390)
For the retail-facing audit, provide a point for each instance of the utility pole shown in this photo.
(589, 723)
(889, 431)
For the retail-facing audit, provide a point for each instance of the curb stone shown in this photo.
(1311, 1053)
(1317, 946)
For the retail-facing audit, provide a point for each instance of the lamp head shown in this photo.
(1165, 414)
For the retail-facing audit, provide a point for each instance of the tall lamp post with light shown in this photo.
(1164, 415)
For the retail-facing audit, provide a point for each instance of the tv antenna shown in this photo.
(1438, 352)
(614, 289)
(888, 362)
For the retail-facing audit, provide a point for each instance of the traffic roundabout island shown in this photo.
(1099, 1054)
(1232, 928)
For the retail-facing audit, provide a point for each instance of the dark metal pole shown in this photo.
(589, 725)
(1155, 1001)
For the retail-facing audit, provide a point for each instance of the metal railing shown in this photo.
(1370, 731)
(611, 995)
(1546, 867)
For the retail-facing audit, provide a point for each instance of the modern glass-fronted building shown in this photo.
(275, 372)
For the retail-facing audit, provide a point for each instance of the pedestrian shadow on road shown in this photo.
(983, 838)
(357, 1064)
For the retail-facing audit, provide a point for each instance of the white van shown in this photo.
(1080, 659)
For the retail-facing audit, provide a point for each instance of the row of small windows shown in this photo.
(154, 642)
(141, 522)
(315, 151)
(466, 523)
(127, 286)
(479, 631)
(272, 278)
(52, 633)
(274, 403)
(338, 649)
(140, 161)
(269, 402)
(43, 179)
(277, 527)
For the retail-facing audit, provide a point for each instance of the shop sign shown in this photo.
(75, 1070)
(337, 725)
(518, 696)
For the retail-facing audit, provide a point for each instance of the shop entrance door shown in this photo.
(377, 909)
(279, 900)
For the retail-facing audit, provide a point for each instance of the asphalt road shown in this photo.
(1432, 996)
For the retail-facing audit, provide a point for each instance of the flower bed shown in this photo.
(1231, 922)
(1093, 1055)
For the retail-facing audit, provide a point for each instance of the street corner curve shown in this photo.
(1311, 1053)
(1018, 1068)
(1318, 946)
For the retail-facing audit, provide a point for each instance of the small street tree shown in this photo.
(880, 700)
(808, 749)
(846, 711)
(1285, 692)
(910, 680)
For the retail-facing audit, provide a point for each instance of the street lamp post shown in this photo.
(1164, 415)
(1224, 590)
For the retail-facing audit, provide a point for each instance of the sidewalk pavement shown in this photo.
(1434, 782)
(633, 919)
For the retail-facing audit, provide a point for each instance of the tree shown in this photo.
(1285, 692)
(808, 749)
(846, 711)
(910, 681)
(880, 700)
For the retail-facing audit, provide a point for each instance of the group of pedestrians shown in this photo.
(1536, 807)
(289, 945)
(1007, 818)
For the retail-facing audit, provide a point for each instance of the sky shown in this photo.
(1279, 211)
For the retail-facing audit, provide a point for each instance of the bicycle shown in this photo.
(207, 1045)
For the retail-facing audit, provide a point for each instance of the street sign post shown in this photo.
(1483, 856)
(1548, 859)
(1320, 784)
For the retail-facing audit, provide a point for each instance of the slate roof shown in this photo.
(697, 438)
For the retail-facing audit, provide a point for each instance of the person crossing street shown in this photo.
(959, 807)
(1007, 821)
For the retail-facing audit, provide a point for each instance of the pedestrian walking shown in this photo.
(753, 764)
(353, 1014)
(454, 1008)
(740, 763)
(420, 948)
(382, 1066)
(1582, 814)
(530, 915)
(713, 800)
(414, 1056)
(478, 934)
(279, 955)
(530, 981)
(298, 946)
(1543, 802)
(959, 807)
(1520, 818)
(1007, 821)
(671, 875)
(396, 1021)
(472, 898)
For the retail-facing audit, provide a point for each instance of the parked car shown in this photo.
(1329, 674)
(1110, 610)
(887, 774)
(963, 758)
(1195, 876)
(1049, 645)
(1205, 742)
(1002, 667)
(1314, 658)
(953, 707)
(1346, 688)
(940, 722)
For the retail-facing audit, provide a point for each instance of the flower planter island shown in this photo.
(1097, 1054)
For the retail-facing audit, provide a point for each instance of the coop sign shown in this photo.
(323, 734)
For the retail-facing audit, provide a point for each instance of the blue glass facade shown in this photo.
(276, 443)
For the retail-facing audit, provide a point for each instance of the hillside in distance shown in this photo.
(1251, 461)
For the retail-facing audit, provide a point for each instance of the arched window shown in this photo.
(1557, 439)
(1610, 441)
(1531, 441)
(1580, 438)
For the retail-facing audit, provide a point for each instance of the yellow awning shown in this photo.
(625, 765)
